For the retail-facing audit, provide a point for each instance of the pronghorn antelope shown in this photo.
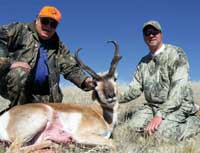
(36, 125)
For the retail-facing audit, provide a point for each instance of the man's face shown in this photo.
(152, 37)
(46, 27)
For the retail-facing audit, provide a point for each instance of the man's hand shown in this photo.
(153, 125)
(89, 83)
(24, 65)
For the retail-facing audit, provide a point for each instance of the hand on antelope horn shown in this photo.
(89, 84)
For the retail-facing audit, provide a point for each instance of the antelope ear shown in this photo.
(94, 95)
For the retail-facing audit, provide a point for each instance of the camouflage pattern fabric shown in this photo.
(164, 79)
(13, 86)
(20, 42)
(175, 126)
(16, 87)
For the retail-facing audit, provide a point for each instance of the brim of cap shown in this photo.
(152, 26)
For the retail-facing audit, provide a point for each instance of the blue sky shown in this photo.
(90, 23)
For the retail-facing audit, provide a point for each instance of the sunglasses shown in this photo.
(47, 21)
(149, 32)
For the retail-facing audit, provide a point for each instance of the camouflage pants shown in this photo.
(176, 125)
(15, 87)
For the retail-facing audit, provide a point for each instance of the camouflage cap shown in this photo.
(153, 23)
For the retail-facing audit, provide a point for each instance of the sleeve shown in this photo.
(8, 37)
(134, 90)
(71, 70)
(179, 85)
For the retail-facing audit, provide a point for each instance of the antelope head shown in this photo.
(105, 84)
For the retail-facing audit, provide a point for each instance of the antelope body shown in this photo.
(35, 124)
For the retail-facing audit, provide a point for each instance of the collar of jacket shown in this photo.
(54, 40)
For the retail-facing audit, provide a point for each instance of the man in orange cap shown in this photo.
(47, 21)
(32, 57)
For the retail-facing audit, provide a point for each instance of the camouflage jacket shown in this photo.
(164, 79)
(20, 42)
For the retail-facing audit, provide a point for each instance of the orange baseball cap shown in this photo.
(51, 12)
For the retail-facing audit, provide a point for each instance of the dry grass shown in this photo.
(126, 140)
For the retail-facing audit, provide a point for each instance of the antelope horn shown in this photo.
(115, 59)
(85, 67)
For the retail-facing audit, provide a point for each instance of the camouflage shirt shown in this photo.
(164, 79)
(20, 42)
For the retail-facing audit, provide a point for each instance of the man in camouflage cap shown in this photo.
(32, 57)
(163, 76)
